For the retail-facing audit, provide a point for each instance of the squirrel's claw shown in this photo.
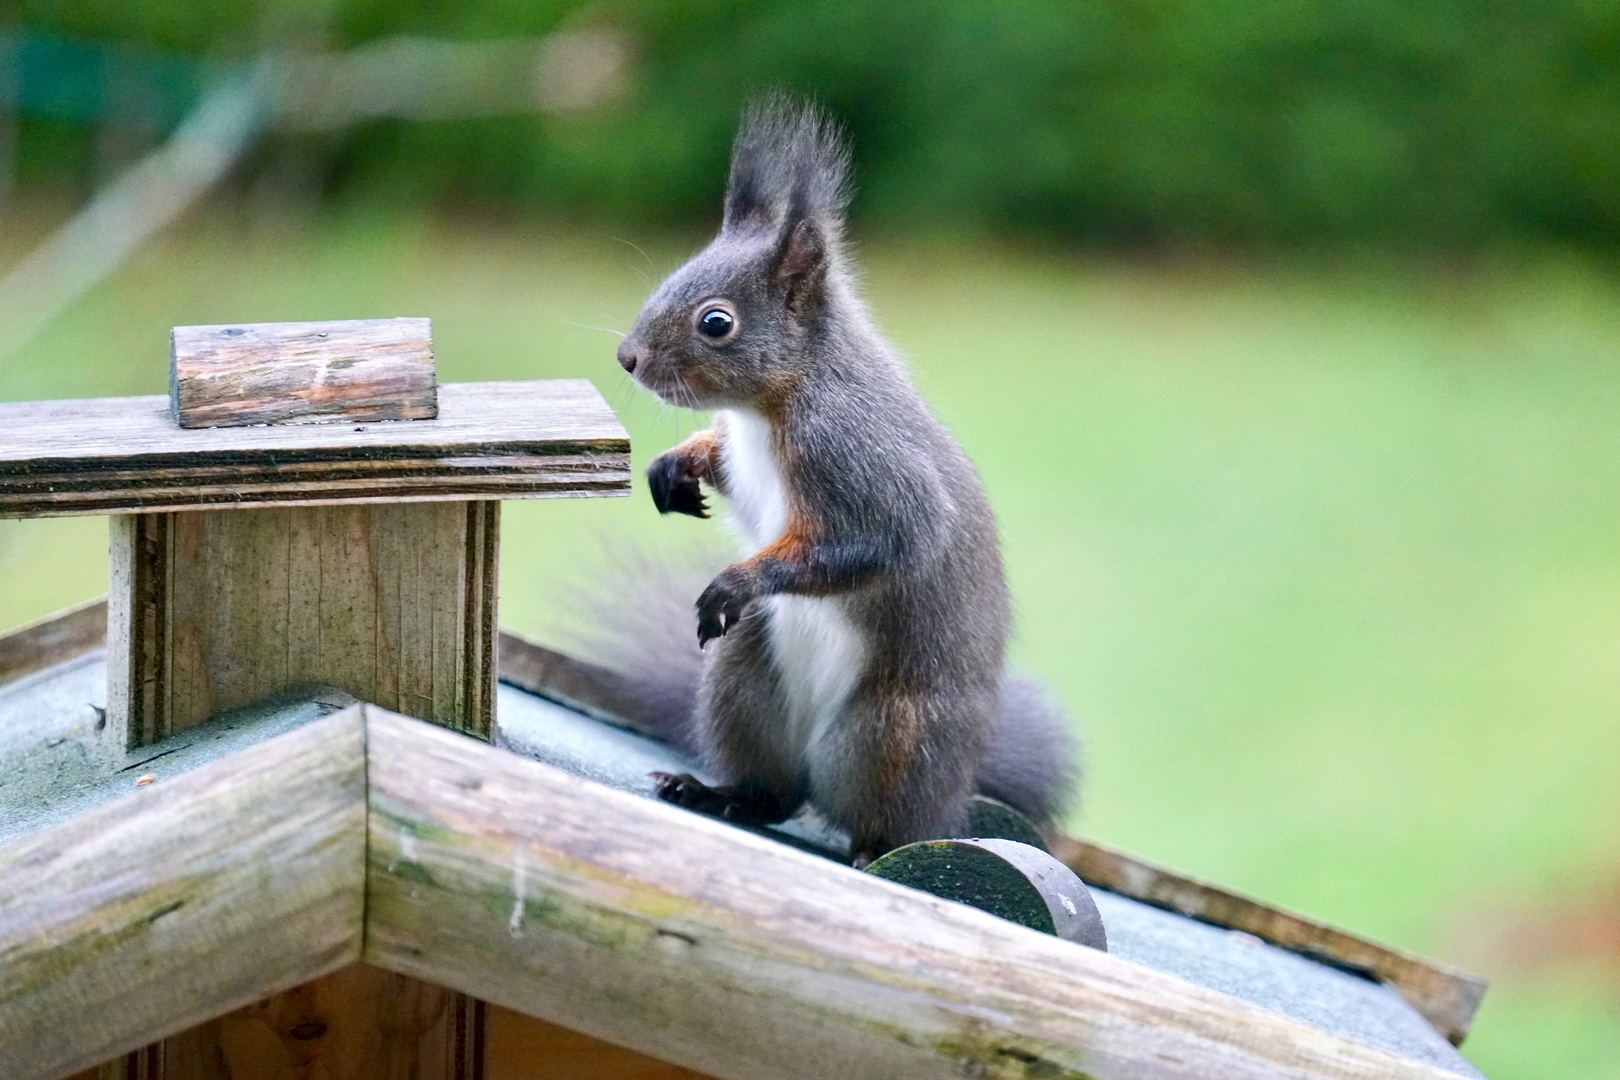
(687, 499)
(672, 787)
(743, 806)
(719, 608)
(674, 488)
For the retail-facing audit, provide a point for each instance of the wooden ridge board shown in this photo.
(493, 440)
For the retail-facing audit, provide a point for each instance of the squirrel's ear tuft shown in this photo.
(790, 162)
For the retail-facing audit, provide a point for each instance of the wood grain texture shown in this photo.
(523, 1048)
(53, 639)
(500, 440)
(676, 936)
(359, 1023)
(353, 370)
(139, 560)
(217, 609)
(183, 900)
(1448, 997)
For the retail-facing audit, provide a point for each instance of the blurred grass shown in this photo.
(1322, 556)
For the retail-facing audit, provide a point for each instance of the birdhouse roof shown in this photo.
(276, 843)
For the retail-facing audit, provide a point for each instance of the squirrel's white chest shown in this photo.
(819, 653)
(753, 482)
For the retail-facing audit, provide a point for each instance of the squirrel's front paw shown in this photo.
(721, 604)
(673, 477)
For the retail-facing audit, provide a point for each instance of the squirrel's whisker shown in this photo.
(603, 329)
(643, 254)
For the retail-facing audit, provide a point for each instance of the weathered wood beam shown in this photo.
(53, 639)
(1447, 996)
(350, 370)
(709, 947)
(183, 900)
(500, 440)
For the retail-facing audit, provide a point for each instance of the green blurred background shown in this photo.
(1285, 336)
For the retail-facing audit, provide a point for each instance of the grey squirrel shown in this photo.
(855, 659)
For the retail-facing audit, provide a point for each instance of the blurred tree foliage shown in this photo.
(1440, 122)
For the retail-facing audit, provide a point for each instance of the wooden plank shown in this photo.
(501, 440)
(214, 610)
(424, 1033)
(344, 371)
(594, 690)
(679, 937)
(1447, 996)
(480, 617)
(523, 1048)
(359, 1023)
(183, 900)
(53, 639)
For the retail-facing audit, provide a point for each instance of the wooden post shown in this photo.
(215, 609)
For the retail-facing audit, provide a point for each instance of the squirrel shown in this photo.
(855, 659)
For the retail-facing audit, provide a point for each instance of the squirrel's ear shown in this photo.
(801, 263)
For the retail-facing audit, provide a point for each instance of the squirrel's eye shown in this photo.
(716, 323)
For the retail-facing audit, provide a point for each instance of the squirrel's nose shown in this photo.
(627, 357)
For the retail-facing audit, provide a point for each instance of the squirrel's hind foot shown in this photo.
(740, 804)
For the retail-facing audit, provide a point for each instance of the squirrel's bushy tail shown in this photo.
(1033, 761)
(640, 624)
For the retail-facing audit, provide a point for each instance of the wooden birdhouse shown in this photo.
(288, 806)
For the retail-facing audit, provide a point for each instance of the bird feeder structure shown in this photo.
(288, 805)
